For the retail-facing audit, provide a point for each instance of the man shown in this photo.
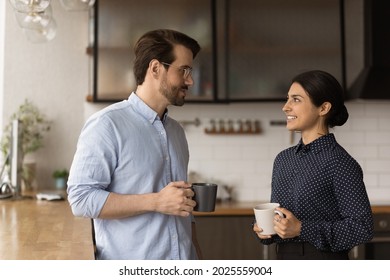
(130, 169)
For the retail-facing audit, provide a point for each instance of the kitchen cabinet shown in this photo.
(379, 247)
(268, 42)
(230, 238)
(226, 233)
(250, 49)
(116, 25)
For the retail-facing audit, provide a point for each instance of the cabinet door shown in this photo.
(270, 41)
(230, 238)
(119, 23)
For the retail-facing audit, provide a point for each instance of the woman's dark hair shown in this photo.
(323, 87)
(159, 44)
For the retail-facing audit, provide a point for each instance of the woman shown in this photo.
(318, 185)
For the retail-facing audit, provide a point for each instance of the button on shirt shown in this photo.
(322, 185)
(126, 148)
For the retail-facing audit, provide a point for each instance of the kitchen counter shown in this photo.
(246, 209)
(33, 229)
(232, 208)
(230, 223)
(384, 209)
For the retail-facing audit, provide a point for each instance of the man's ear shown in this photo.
(325, 108)
(154, 67)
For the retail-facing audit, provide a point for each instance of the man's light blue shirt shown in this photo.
(126, 148)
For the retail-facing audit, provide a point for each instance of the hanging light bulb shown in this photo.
(77, 5)
(43, 34)
(26, 6)
(34, 20)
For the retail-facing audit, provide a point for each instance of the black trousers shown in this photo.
(306, 251)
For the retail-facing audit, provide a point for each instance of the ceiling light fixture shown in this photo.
(35, 17)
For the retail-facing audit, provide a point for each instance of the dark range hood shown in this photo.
(374, 80)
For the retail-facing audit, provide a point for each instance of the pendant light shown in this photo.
(77, 5)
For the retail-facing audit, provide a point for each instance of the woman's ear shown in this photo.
(325, 108)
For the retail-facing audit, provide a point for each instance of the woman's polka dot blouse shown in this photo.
(322, 185)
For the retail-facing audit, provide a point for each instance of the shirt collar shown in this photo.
(317, 145)
(144, 110)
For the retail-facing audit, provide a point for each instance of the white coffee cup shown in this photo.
(265, 215)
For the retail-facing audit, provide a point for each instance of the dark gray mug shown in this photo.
(205, 196)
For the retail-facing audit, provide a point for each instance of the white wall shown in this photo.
(52, 75)
(55, 76)
(2, 34)
(245, 162)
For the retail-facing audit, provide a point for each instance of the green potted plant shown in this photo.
(34, 126)
(60, 176)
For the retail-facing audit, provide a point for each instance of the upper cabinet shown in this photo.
(118, 24)
(270, 41)
(250, 49)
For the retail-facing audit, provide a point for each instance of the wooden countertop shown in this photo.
(381, 209)
(231, 209)
(246, 209)
(32, 229)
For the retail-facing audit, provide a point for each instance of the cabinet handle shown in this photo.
(355, 253)
(265, 252)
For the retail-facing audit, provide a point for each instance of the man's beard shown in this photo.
(172, 93)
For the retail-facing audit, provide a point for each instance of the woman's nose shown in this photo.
(285, 107)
